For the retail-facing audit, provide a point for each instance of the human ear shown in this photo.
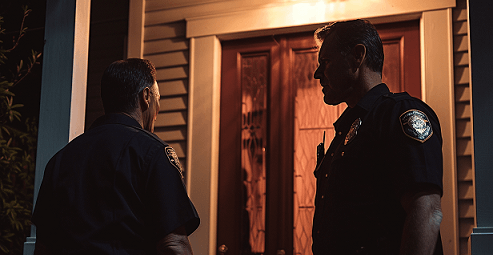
(359, 55)
(145, 99)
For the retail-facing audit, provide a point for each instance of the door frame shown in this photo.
(204, 112)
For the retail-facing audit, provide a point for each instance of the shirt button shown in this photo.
(322, 197)
(332, 154)
(342, 153)
(339, 133)
(326, 175)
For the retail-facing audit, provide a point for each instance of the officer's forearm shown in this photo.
(422, 225)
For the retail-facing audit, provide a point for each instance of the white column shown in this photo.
(63, 85)
(203, 138)
(437, 75)
(136, 16)
(480, 37)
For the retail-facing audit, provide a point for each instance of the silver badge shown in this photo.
(353, 131)
(173, 159)
(416, 125)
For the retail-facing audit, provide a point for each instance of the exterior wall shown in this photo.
(167, 47)
(189, 108)
(107, 43)
(162, 40)
(463, 112)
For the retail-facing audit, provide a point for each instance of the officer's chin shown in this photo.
(331, 101)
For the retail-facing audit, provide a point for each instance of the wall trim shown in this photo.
(135, 37)
(437, 81)
(203, 138)
(284, 15)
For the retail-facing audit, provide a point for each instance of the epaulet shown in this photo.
(398, 96)
(414, 122)
(152, 135)
(155, 137)
(170, 152)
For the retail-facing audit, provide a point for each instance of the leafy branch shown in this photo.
(17, 146)
(22, 30)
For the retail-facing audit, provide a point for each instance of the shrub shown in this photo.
(17, 146)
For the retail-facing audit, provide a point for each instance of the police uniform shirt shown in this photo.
(116, 189)
(385, 146)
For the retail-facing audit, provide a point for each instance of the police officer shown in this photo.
(380, 183)
(118, 188)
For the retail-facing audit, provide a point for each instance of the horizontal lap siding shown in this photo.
(167, 47)
(464, 131)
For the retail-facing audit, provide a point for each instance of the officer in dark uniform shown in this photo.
(118, 188)
(380, 183)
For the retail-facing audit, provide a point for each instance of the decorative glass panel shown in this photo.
(312, 118)
(254, 77)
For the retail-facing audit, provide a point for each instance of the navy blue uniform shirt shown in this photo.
(116, 189)
(388, 144)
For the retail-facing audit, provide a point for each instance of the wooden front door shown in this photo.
(272, 118)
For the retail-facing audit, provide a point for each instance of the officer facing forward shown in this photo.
(117, 188)
(380, 182)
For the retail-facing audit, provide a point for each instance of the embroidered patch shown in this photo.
(416, 125)
(353, 131)
(173, 159)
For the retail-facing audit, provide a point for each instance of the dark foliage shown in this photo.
(18, 137)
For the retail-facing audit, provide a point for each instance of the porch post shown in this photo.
(203, 138)
(481, 54)
(63, 84)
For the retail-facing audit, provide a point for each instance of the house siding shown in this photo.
(465, 172)
(167, 47)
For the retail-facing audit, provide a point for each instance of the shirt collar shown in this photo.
(362, 107)
(116, 118)
(371, 96)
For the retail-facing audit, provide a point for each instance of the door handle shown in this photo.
(222, 249)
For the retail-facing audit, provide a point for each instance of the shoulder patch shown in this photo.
(416, 125)
(173, 159)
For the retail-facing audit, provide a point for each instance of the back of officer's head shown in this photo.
(122, 82)
(348, 34)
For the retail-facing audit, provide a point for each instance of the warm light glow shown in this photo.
(307, 12)
(317, 12)
(321, 11)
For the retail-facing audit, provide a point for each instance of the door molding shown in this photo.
(204, 99)
(290, 16)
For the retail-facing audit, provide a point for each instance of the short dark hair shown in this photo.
(348, 34)
(122, 82)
